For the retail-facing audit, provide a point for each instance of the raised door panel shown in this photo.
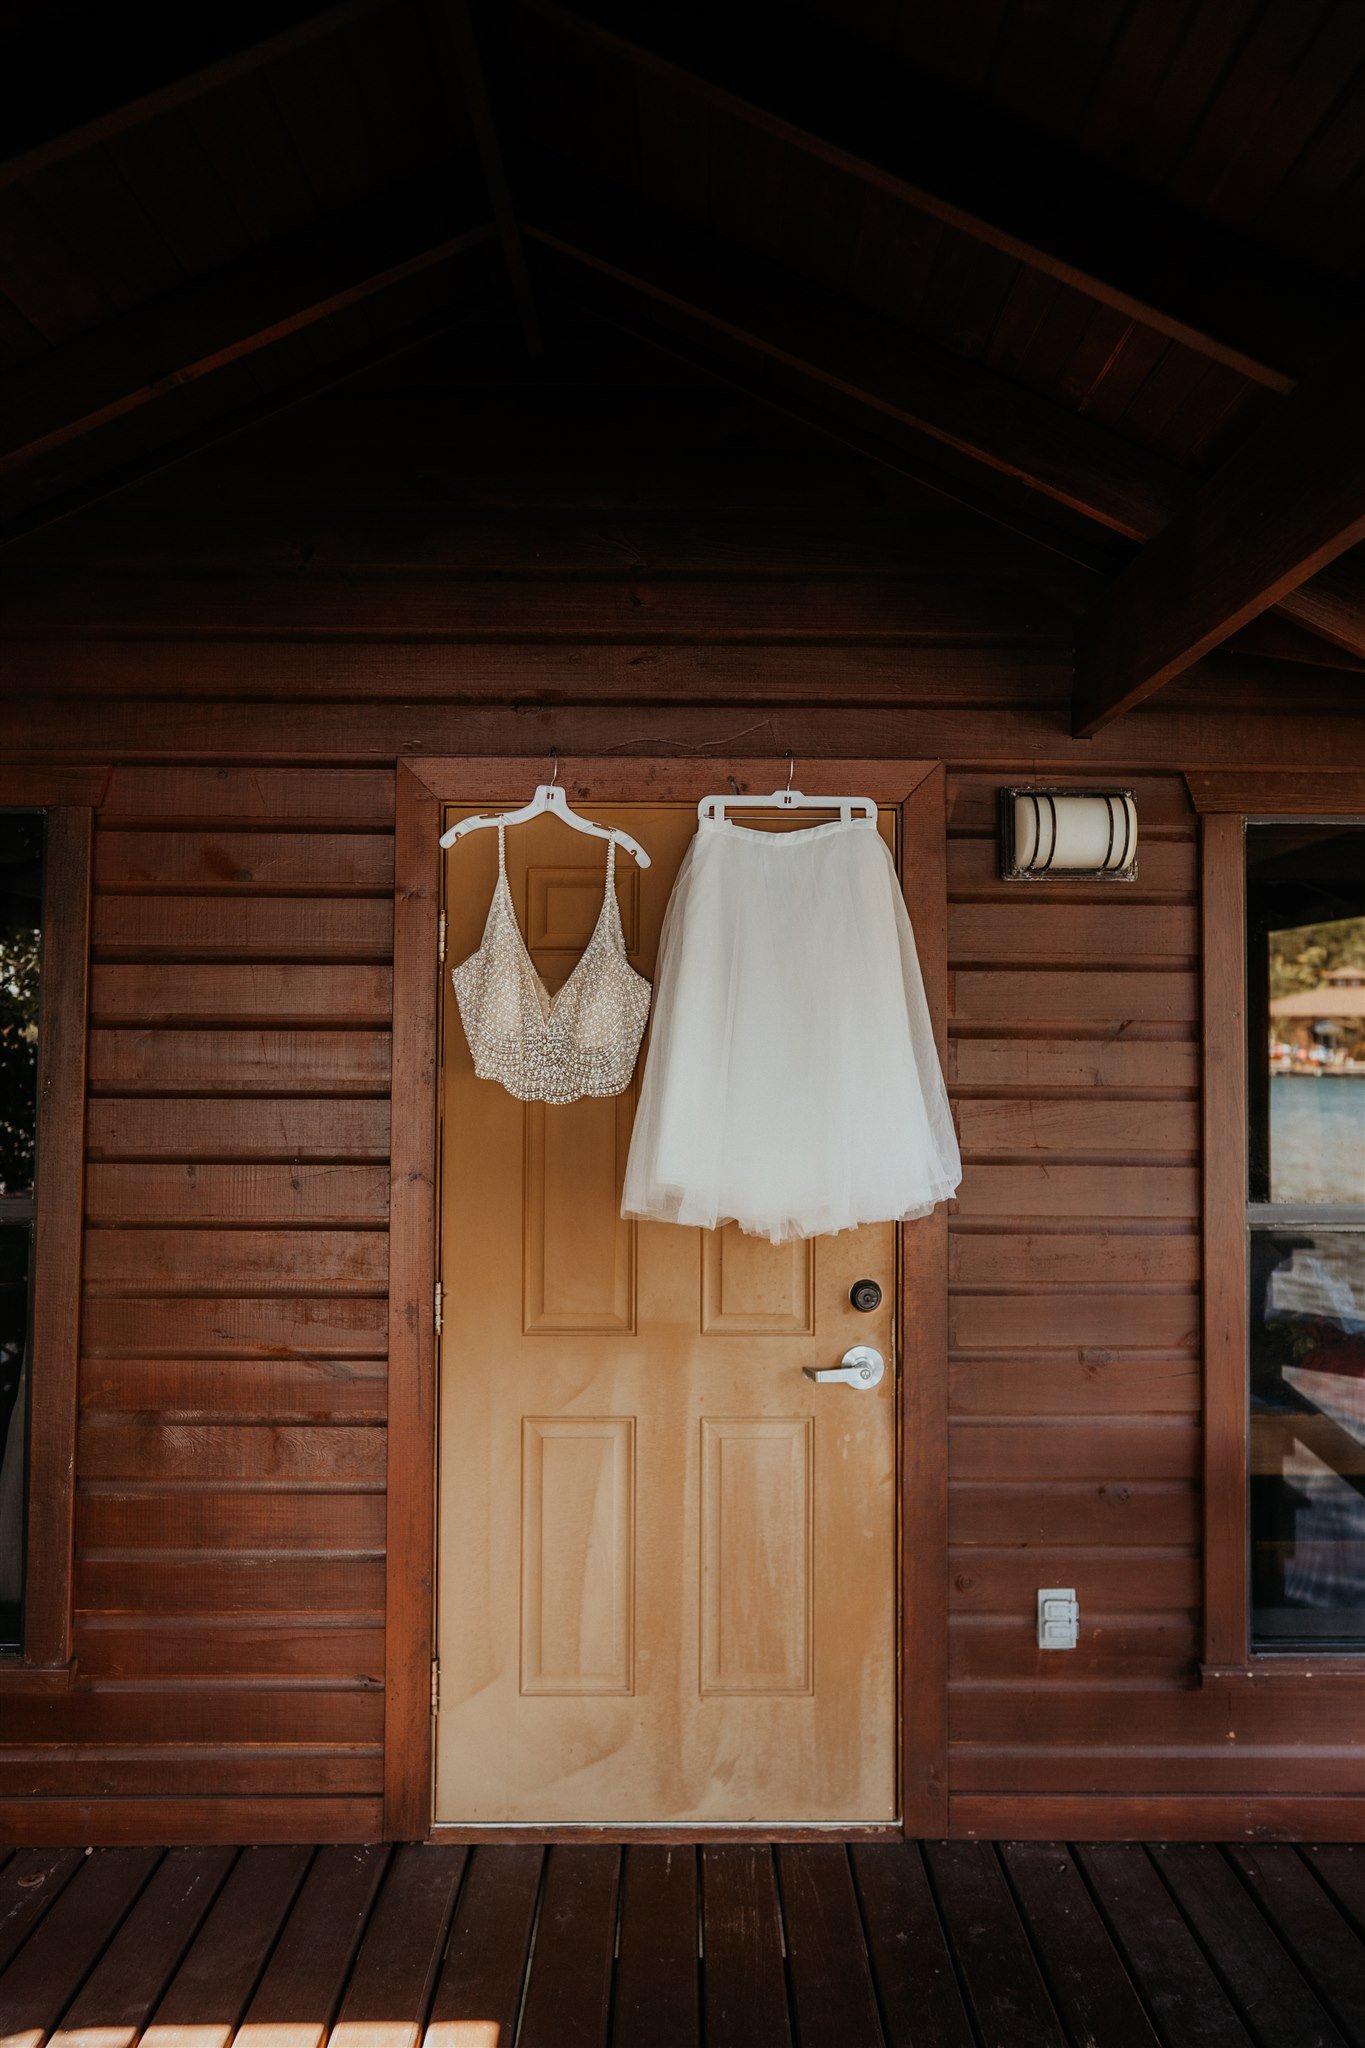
(577, 1554)
(756, 1564)
(579, 1252)
(752, 1288)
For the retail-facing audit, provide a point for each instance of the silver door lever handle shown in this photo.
(861, 1367)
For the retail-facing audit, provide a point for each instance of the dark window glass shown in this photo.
(21, 903)
(1308, 1436)
(15, 1240)
(1306, 1232)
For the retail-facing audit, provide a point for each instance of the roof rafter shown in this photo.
(748, 307)
(288, 285)
(454, 22)
(126, 80)
(984, 173)
(1284, 504)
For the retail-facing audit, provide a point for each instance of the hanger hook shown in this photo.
(554, 756)
(791, 768)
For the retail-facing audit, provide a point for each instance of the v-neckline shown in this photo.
(546, 1002)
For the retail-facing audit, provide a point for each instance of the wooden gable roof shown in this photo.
(1090, 267)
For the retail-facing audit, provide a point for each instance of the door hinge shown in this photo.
(438, 1307)
(435, 1684)
(441, 936)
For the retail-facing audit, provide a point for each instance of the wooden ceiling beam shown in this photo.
(288, 285)
(747, 310)
(982, 172)
(748, 305)
(458, 41)
(1283, 505)
(69, 91)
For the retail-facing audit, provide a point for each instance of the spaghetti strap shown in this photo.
(585, 1041)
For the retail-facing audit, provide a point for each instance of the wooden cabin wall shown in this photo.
(463, 551)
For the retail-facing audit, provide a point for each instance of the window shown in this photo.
(21, 887)
(1305, 927)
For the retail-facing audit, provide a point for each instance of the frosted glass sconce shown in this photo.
(1068, 833)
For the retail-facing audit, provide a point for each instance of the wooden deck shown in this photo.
(949, 1945)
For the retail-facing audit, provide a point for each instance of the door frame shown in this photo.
(423, 788)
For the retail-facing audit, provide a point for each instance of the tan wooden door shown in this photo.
(667, 1560)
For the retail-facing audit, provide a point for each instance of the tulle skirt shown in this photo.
(791, 1082)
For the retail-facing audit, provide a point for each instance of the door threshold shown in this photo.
(473, 1832)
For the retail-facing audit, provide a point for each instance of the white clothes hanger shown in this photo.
(789, 799)
(549, 797)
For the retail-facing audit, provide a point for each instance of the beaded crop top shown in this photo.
(584, 1040)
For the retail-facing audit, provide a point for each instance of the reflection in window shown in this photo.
(21, 895)
(1308, 1436)
(14, 1265)
(1306, 1218)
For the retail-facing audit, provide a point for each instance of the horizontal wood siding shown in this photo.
(230, 1465)
(463, 552)
(1074, 1371)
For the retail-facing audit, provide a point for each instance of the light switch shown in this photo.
(1059, 1618)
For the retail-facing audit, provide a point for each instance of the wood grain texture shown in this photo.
(31, 1881)
(57, 1246)
(367, 735)
(40, 1982)
(917, 1987)
(569, 1997)
(924, 1387)
(236, 1545)
(832, 1991)
(1285, 503)
(745, 1993)
(205, 1999)
(412, 1312)
(297, 1997)
(1001, 1981)
(480, 1986)
(242, 1061)
(1328, 791)
(657, 1997)
(219, 1129)
(125, 1985)
(1226, 1596)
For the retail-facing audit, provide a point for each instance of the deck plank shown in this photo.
(390, 1990)
(1277, 2006)
(743, 1978)
(121, 1992)
(304, 1981)
(54, 1962)
(1004, 1987)
(479, 1992)
(916, 1983)
(31, 1882)
(1179, 1989)
(1341, 1868)
(1321, 1940)
(1085, 1974)
(568, 1991)
(658, 1990)
(831, 1977)
(869, 1945)
(209, 1992)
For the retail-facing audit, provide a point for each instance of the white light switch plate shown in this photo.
(1059, 1618)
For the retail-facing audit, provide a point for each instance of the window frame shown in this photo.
(69, 798)
(1226, 803)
